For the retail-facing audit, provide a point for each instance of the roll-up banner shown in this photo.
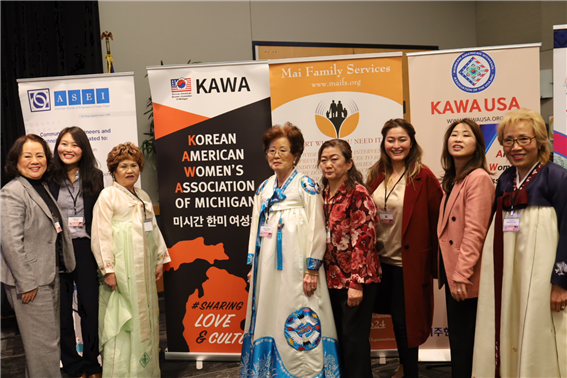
(347, 97)
(209, 120)
(103, 105)
(560, 95)
(478, 83)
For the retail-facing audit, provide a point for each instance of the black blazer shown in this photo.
(89, 201)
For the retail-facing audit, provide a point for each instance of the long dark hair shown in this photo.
(90, 183)
(478, 159)
(412, 161)
(353, 175)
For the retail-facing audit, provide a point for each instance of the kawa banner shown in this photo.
(348, 97)
(478, 83)
(560, 95)
(209, 121)
(103, 105)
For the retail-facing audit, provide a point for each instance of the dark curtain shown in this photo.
(42, 39)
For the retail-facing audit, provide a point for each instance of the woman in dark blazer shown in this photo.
(465, 215)
(36, 246)
(76, 183)
(407, 196)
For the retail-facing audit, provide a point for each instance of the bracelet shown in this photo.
(316, 274)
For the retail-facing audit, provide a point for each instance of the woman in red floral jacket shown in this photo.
(407, 195)
(351, 261)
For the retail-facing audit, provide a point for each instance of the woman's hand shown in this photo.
(354, 297)
(29, 296)
(558, 298)
(310, 282)
(459, 291)
(159, 272)
(110, 280)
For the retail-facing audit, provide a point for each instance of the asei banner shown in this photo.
(478, 83)
(103, 105)
(209, 122)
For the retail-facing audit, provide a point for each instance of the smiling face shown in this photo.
(280, 157)
(397, 144)
(32, 162)
(127, 173)
(521, 157)
(69, 151)
(462, 142)
(334, 165)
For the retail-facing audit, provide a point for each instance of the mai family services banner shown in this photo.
(347, 97)
(478, 83)
(560, 95)
(102, 105)
(209, 121)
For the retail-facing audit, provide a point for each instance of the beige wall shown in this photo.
(146, 32)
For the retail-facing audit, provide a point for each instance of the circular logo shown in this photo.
(473, 71)
(335, 119)
(40, 100)
(181, 83)
(303, 329)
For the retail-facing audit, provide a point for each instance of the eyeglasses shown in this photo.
(282, 152)
(523, 141)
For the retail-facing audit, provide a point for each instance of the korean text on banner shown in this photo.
(209, 121)
(102, 105)
(347, 97)
(481, 84)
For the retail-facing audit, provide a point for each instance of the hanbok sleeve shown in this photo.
(162, 256)
(101, 233)
(254, 224)
(313, 204)
(362, 213)
(557, 183)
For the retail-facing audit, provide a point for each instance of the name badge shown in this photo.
(328, 235)
(57, 225)
(75, 222)
(512, 222)
(386, 216)
(266, 231)
(148, 225)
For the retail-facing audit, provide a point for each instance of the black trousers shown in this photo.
(461, 319)
(393, 283)
(85, 276)
(353, 329)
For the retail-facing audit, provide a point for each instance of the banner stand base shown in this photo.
(200, 357)
(425, 355)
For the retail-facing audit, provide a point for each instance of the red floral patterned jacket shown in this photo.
(351, 258)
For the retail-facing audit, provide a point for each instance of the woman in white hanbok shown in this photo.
(289, 330)
(130, 253)
(521, 320)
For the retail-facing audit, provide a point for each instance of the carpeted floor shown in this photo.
(13, 360)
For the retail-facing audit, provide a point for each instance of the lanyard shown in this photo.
(523, 183)
(386, 196)
(328, 202)
(74, 198)
(143, 204)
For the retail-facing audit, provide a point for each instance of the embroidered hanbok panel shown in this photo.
(288, 334)
(129, 315)
(533, 338)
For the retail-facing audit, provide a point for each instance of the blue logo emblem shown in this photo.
(473, 71)
(81, 97)
(39, 100)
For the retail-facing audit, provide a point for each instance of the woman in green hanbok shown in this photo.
(130, 253)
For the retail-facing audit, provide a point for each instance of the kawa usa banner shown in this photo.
(348, 97)
(478, 83)
(560, 95)
(209, 121)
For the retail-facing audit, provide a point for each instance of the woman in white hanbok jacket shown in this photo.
(130, 253)
(289, 330)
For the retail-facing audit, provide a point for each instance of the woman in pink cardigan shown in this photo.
(464, 218)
